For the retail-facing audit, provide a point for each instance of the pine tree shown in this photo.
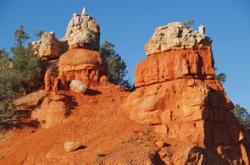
(242, 114)
(28, 67)
(7, 80)
(188, 23)
(117, 68)
(21, 74)
(239, 112)
(221, 77)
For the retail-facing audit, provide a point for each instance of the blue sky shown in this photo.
(129, 25)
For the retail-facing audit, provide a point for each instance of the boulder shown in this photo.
(159, 143)
(70, 146)
(29, 101)
(177, 94)
(52, 111)
(83, 31)
(49, 47)
(78, 86)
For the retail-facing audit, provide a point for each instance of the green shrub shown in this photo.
(117, 68)
(21, 74)
(188, 23)
(242, 114)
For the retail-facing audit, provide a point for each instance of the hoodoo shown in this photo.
(177, 94)
(82, 60)
(79, 68)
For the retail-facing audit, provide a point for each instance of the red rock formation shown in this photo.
(173, 64)
(83, 31)
(53, 110)
(49, 81)
(76, 64)
(176, 93)
(81, 61)
(81, 64)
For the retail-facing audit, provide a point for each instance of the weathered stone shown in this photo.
(104, 80)
(50, 113)
(29, 101)
(70, 146)
(49, 47)
(78, 64)
(83, 32)
(50, 80)
(175, 64)
(159, 143)
(78, 86)
(161, 130)
(173, 36)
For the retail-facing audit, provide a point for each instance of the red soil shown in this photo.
(97, 121)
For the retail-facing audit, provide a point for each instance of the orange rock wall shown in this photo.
(176, 93)
(76, 64)
(174, 64)
(89, 74)
(179, 109)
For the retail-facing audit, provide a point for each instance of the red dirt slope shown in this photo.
(97, 121)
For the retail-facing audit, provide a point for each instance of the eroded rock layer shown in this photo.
(176, 93)
(174, 64)
(76, 64)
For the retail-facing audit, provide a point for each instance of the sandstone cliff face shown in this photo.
(176, 93)
(196, 63)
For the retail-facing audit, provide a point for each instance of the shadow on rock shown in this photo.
(92, 92)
